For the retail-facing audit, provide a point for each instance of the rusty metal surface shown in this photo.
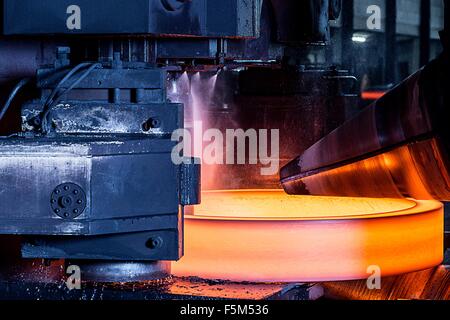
(165, 289)
(432, 284)
(45, 280)
(196, 287)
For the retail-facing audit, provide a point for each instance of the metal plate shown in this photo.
(113, 271)
(267, 236)
(68, 200)
(197, 18)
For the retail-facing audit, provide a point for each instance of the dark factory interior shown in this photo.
(234, 149)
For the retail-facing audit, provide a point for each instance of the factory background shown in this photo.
(99, 202)
(408, 39)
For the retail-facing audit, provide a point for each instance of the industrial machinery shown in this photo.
(400, 149)
(95, 89)
(399, 144)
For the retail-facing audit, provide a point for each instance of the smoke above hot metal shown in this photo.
(217, 147)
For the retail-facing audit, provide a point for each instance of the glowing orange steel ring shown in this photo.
(267, 236)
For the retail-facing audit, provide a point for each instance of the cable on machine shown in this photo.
(56, 94)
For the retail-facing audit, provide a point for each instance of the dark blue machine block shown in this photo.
(130, 184)
(234, 18)
(100, 183)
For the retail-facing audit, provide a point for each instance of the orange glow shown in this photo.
(267, 236)
(417, 170)
(372, 95)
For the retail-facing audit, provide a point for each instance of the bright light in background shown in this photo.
(174, 87)
(359, 38)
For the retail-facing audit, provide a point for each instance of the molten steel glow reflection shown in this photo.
(372, 95)
(267, 236)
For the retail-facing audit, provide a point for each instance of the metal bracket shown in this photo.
(190, 193)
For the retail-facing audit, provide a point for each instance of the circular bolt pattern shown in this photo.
(68, 200)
